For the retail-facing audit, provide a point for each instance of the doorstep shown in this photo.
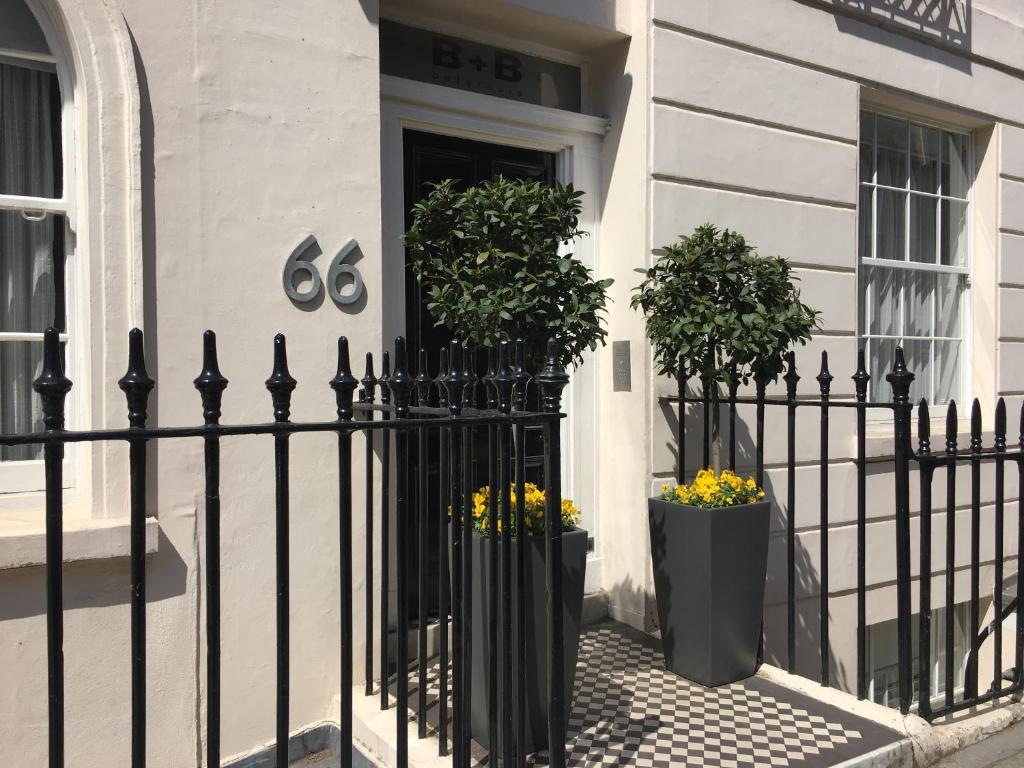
(629, 710)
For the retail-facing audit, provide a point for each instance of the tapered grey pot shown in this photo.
(574, 563)
(709, 575)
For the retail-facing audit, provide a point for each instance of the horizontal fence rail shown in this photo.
(898, 414)
(437, 437)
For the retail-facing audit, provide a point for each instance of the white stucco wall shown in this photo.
(235, 129)
(754, 124)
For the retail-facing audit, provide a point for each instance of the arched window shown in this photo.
(34, 225)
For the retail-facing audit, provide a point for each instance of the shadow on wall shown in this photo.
(945, 21)
(807, 587)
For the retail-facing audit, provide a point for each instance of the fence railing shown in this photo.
(437, 417)
(900, 412)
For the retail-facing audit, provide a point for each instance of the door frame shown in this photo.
(576, 141)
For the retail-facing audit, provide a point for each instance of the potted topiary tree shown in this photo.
(493, 263)
(715, 311)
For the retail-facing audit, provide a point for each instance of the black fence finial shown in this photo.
(210, 382)
(791, 377)
(385, 378)
(521, 375)
(900, 379)
(976, 426)
(468, 375)
(344, 383)
(400, 381)
(369, 382)
(861, 378)
(442, 377)
(489, 383)
(52, 385)
(281, 384)
(824, 377)
(951, 427)
(504, 380)
(553, 379)
(136, 383)
(1000, 425)
(453, 380)
(924, 429)
(423, 381)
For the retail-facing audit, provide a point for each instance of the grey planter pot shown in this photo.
(574, 563)
(709, 576)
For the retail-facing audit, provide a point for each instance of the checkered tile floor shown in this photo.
(629, 710)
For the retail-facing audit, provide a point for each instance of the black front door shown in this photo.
(430, 158)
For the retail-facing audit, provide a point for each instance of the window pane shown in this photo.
(883, 294)
(880, 359)
(30, 160)
(865, 213)
(918, 291)
(922, 228)
(867, 146)
(917, 355)
(20, 364)
(948, 295)
(955, 171)
(954, 233)
(924, 158)
(892, 152)
(892, 215)
(31, 273)
(947, 371)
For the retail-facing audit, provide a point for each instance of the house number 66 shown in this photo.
(298, 266)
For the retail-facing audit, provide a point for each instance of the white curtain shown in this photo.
(27, 254)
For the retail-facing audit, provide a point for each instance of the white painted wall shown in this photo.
(754, 122)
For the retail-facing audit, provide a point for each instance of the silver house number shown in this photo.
(300, 267)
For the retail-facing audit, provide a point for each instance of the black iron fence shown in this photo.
(898, 412)
(472, 425)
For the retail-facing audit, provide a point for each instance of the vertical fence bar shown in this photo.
(681, 416)
(951, 451)
(825, 385)
(997, 587)
(522, 383)
(385, 532)
(344, 385)
(706, 395)
(503, 383)
(492, 563)
(553, 380)
(366, 395)
(454, 390)
(924, 450)
(53, 387)
(760, 384)
(971, 675)
(211, 385)
(733, 385)
(444, 588)
(422, 467)
(401, 388)
(281, 385)
(1018, 656)
(136, 384)
(860, 381)
(900, 380)
(467, 380)
(791, 379)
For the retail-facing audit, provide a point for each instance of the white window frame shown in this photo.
(28, 476)
(865, 340)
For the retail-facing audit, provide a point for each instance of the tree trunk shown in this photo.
(716, 430)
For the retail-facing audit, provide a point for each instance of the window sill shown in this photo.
(23, 539)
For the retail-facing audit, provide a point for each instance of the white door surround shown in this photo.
(576, 141)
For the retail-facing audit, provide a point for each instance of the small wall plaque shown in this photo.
(621, 381)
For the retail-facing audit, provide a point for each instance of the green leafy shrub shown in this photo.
(489, 261)
(717, 311)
